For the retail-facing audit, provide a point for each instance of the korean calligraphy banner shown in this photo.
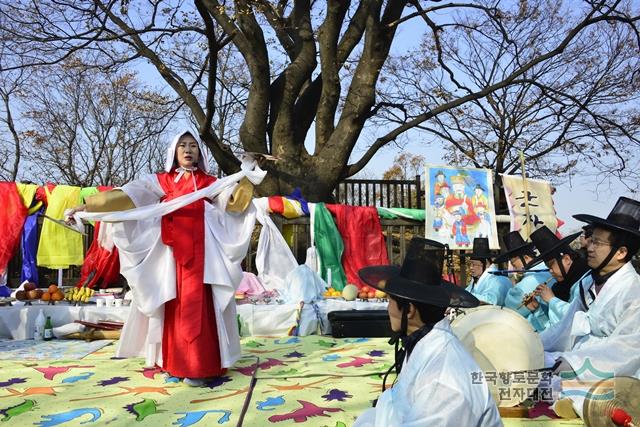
(538, 195)
(460, 206)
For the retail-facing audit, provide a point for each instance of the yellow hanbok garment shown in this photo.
(27, 192)
(58, 246)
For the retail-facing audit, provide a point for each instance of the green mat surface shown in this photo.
(318, 355)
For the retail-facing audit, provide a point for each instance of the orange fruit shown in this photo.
(58, 296)
(53, 289)
(46, 296)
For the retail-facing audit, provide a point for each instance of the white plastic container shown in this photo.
(38, 331)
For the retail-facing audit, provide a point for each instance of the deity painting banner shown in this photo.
(538, 195)
(459, 206)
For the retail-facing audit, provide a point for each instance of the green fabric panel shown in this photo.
(86, 192)
(329, 246)
(393, 213)
(386, 213)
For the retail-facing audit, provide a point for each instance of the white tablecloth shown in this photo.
(18, 322)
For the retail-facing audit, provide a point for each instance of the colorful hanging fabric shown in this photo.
(29, 248)
(43, 192)
(28, 195)
(297, 195)
(90, 191)
(101, 265)
(364, 243)
(87, 191)
(329, 246)
(60, 247)
(393, 213)
(12, 218)
(288, 208)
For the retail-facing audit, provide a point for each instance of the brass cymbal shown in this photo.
(598, 405)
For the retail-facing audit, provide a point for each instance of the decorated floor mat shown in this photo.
(101, 389)
(311, 401)
(115, 392)
(317, 355)
(48, 350)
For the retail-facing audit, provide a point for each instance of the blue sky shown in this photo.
(579, 195)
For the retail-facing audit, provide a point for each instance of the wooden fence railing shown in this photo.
(396, 193)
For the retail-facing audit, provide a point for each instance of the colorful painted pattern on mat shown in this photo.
(314, 401)
(286, 357)
(48, 350)
(103, 390)
(310, 381)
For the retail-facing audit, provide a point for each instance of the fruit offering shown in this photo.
(332, 293)
(29, 293)
(52, 294)
(367, 292)
(79, 294)
(350, 292)
(380, 294)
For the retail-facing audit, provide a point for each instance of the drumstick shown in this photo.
(621, 418)
(530, 296)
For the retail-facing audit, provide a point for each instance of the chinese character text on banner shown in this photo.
(538, 195)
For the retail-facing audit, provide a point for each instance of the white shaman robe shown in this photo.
(149, 265)
(436, 387)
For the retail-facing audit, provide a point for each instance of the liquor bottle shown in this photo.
(48, 329)
(38, 333)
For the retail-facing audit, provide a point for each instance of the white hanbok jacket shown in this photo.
(603, 339)
(436, 387)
